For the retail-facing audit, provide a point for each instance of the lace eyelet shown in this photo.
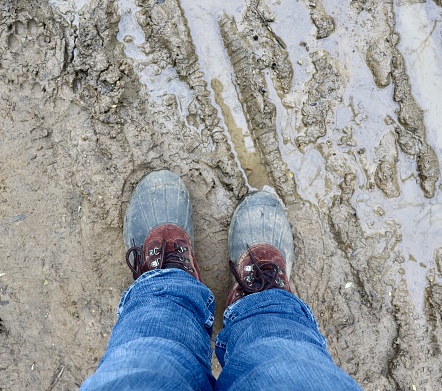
(155, 263)
(154, 251)
(182, 249)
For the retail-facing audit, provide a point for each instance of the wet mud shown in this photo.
(325, 89)
(324, 23)
(318, 102)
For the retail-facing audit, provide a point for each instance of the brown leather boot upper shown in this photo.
(167, 246)
(260, 268)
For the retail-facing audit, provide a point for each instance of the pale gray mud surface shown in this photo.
(334, 106)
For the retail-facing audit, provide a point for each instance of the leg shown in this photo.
(162, 338)
(271, 341)
(270, 338)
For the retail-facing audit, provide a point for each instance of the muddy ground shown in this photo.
(332, 105)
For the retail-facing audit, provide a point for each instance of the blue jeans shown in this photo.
(161, 341)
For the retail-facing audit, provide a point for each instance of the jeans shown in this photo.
(161, 341)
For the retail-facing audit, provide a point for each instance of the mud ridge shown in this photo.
(415, 343)
(387, 64)
(325, 91)
(170, 43)
(257, 19)
(325, 24)
(260, 111)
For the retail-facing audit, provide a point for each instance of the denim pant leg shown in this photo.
(271, 341)
(161, 340)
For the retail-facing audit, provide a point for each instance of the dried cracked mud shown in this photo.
(334, 106)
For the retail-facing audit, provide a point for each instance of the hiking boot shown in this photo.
(158, 227)
(260, 245)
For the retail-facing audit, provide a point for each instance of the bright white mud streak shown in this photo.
(202, 18)
(68, 8)
(159, 82)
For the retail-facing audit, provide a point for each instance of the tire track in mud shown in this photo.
(170, 43)
(310, 236)
(260, 113)
(417, 341)
(311, 277)
(361, 310)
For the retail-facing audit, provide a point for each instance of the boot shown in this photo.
(260, 245)
(158, 226)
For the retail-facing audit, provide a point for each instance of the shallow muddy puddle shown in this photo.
(249, 157)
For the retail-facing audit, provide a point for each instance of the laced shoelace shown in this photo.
(172, 259)
(264, 275)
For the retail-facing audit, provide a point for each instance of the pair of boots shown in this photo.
(158, 234)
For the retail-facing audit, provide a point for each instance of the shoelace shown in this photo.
(265, 275)
(171, 259)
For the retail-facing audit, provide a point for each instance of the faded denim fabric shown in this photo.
(161, 341)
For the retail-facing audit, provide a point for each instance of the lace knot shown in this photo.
(264, 275)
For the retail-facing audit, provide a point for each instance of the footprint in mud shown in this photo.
(32, 50)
